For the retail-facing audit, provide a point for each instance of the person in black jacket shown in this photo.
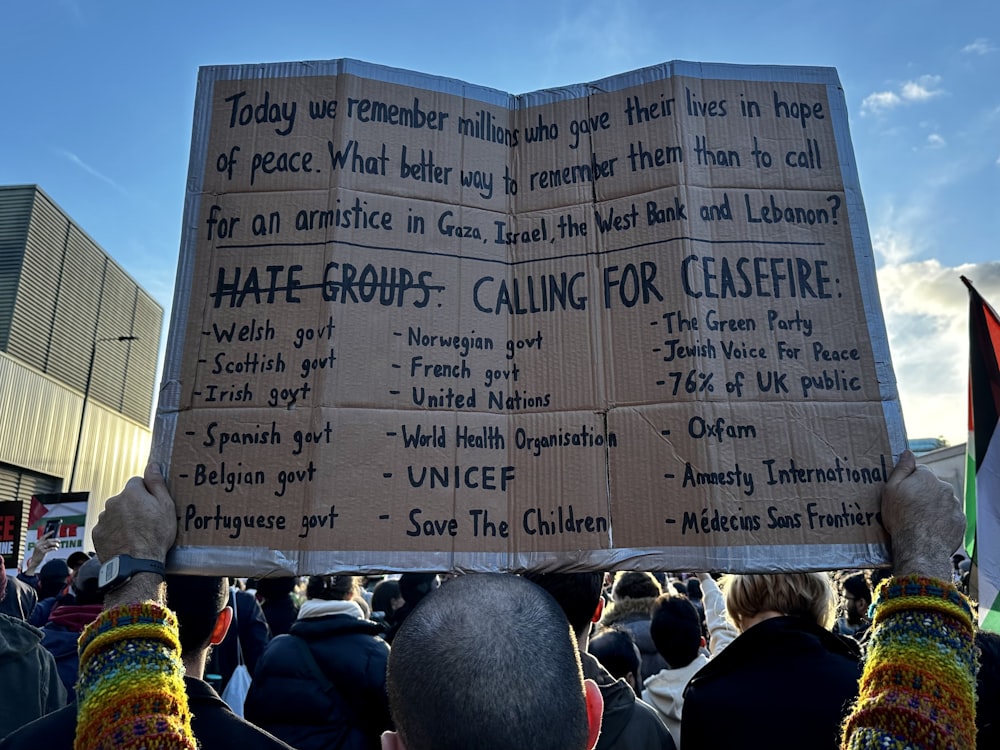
(413, 587)
(633, 594)
(786, 682)
(627, 723)
(323, 685)
(857, 598)
(278, 604)
(200, 605)
(252, 634)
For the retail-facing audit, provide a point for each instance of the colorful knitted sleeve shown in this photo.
(918, 689)
(130, 692)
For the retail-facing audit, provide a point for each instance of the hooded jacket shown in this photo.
(322, 686)
(627, 723)
(60, 635)
(20, 600)
(664, 691)
(29, 672)
(633, 615)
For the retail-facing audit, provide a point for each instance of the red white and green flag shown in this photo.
(982, 474)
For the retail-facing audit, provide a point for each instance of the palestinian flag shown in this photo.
(37, 511)
(982, 475)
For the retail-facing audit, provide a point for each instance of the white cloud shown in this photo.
(920, 90)
(89, 169)
(980, 46)
(879, 101)
(892, 246)
(896, 239)
(926, 315)
(936, 140)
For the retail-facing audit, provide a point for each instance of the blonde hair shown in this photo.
(807, 595)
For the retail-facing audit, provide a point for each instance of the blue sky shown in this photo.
(98, 100)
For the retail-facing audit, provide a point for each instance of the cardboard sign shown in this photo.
(425, 325)
(72, 516)
(10, 531)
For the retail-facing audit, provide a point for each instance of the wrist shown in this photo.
(923, 566)
(140, 587)
(122, 569)
(137, 553)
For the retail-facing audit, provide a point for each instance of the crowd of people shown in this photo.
(574, 661)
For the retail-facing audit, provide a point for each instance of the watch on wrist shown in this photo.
(119, 570)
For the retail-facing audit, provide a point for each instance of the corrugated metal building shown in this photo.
(72, 324)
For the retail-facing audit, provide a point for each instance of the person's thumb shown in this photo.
(906, 465)
(155, 483)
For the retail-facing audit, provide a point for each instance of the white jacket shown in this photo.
(664, 691)
(721, 631)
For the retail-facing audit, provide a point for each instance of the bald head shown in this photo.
(487, 661)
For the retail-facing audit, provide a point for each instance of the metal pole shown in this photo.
(86, 395)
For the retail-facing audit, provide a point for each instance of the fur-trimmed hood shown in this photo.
(632, 615)
(627, 610)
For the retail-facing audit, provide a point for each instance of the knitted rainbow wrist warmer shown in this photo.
(130, 692)
(918, 689)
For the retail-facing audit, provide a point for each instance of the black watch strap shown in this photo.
(119, 570)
